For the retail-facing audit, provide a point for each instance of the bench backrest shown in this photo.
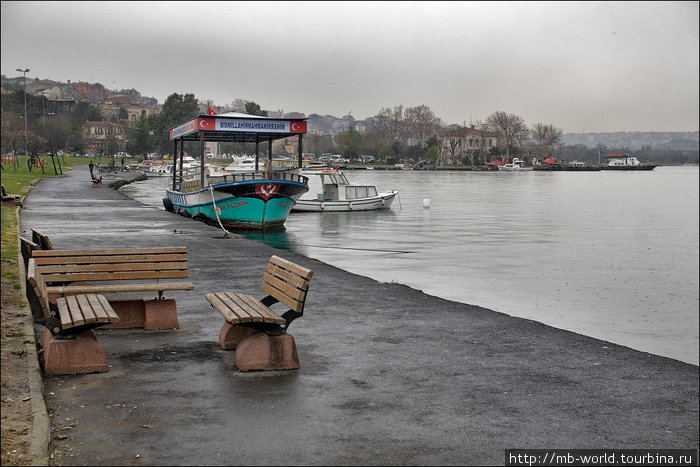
(35, 279)
(42, 240)
(58, 266)
(287, 282)
(27, 247)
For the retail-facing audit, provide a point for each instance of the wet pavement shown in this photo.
(389, 375)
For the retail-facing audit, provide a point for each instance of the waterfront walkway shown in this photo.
(388, 374)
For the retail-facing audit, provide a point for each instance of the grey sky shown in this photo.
(581, 66)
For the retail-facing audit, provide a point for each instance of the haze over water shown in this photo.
(612, 255)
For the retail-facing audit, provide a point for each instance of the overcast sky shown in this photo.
(581, 66)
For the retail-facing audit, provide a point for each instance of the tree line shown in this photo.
(394, 134)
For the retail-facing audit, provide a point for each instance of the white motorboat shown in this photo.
(241, 165)
(339, 195)
(517, 164)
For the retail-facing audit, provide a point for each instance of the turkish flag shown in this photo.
(206, 123)
(210, 111)
(297, 127)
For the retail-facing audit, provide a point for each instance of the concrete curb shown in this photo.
(41, 426)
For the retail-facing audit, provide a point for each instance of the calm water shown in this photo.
(612, 255)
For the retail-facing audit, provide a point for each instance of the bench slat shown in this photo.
(96, 259)
(114, 276)
(240, 314)
(240, 308)
(111, 314)
(112, 267)
(107, 288)
(217, 302)
(86, 309)
(297, 269)
(113, 252)
(266, 315)
(63, 313)
(290, 296)
(76, 317)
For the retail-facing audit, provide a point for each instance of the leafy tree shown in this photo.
(140, 138)
(176, 110)
(350, 143)
(251, 108)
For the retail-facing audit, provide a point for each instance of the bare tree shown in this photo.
(389, 123)
(546, 138)
(421, 123)
(511, 129)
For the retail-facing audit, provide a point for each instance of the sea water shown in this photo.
(612, 255)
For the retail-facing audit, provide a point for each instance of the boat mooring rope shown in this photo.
(216, 211)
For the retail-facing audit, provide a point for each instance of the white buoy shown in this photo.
(426, 203)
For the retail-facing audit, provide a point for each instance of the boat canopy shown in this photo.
(234, 127)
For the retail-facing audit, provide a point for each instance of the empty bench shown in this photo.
(69, 343)
(253, 329)
(126, 270)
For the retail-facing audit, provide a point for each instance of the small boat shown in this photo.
(339, 195)
(620, 161)
(245, 164)
(516, 165)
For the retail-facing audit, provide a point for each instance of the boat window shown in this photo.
(355, 192)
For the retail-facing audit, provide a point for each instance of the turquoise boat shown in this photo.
(241, 202)
(257, 200)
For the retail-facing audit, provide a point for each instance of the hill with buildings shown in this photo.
(110, 101)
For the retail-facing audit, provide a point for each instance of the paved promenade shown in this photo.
(388, 374)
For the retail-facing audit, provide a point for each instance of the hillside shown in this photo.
(635, 140)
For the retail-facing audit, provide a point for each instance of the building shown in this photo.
(104, 138)
(456, 144)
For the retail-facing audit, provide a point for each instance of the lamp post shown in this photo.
(26, 137)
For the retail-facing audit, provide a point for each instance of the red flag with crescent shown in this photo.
(267, 190)
(206, 123)
(297, 127)
(210, 111)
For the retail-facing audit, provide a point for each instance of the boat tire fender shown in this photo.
(168, 204)
(200, 217)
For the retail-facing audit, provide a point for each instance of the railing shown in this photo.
(189, 186)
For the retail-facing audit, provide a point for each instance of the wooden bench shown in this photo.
(126, 270)
(7, 198)
(42, 240)
(69, 345)
(257, 333)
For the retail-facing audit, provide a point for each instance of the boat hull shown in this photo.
(628, 167)
(251, 205)
(382, 201)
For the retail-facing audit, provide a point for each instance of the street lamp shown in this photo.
(26, 137)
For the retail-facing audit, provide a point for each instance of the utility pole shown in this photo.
(26, 137)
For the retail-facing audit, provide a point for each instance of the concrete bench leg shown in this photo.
(73, 356)
(231, 335)
(147, 314)
(262, 352)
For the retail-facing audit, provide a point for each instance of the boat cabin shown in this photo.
(337, 187)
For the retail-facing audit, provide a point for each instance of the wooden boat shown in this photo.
(258, 199)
